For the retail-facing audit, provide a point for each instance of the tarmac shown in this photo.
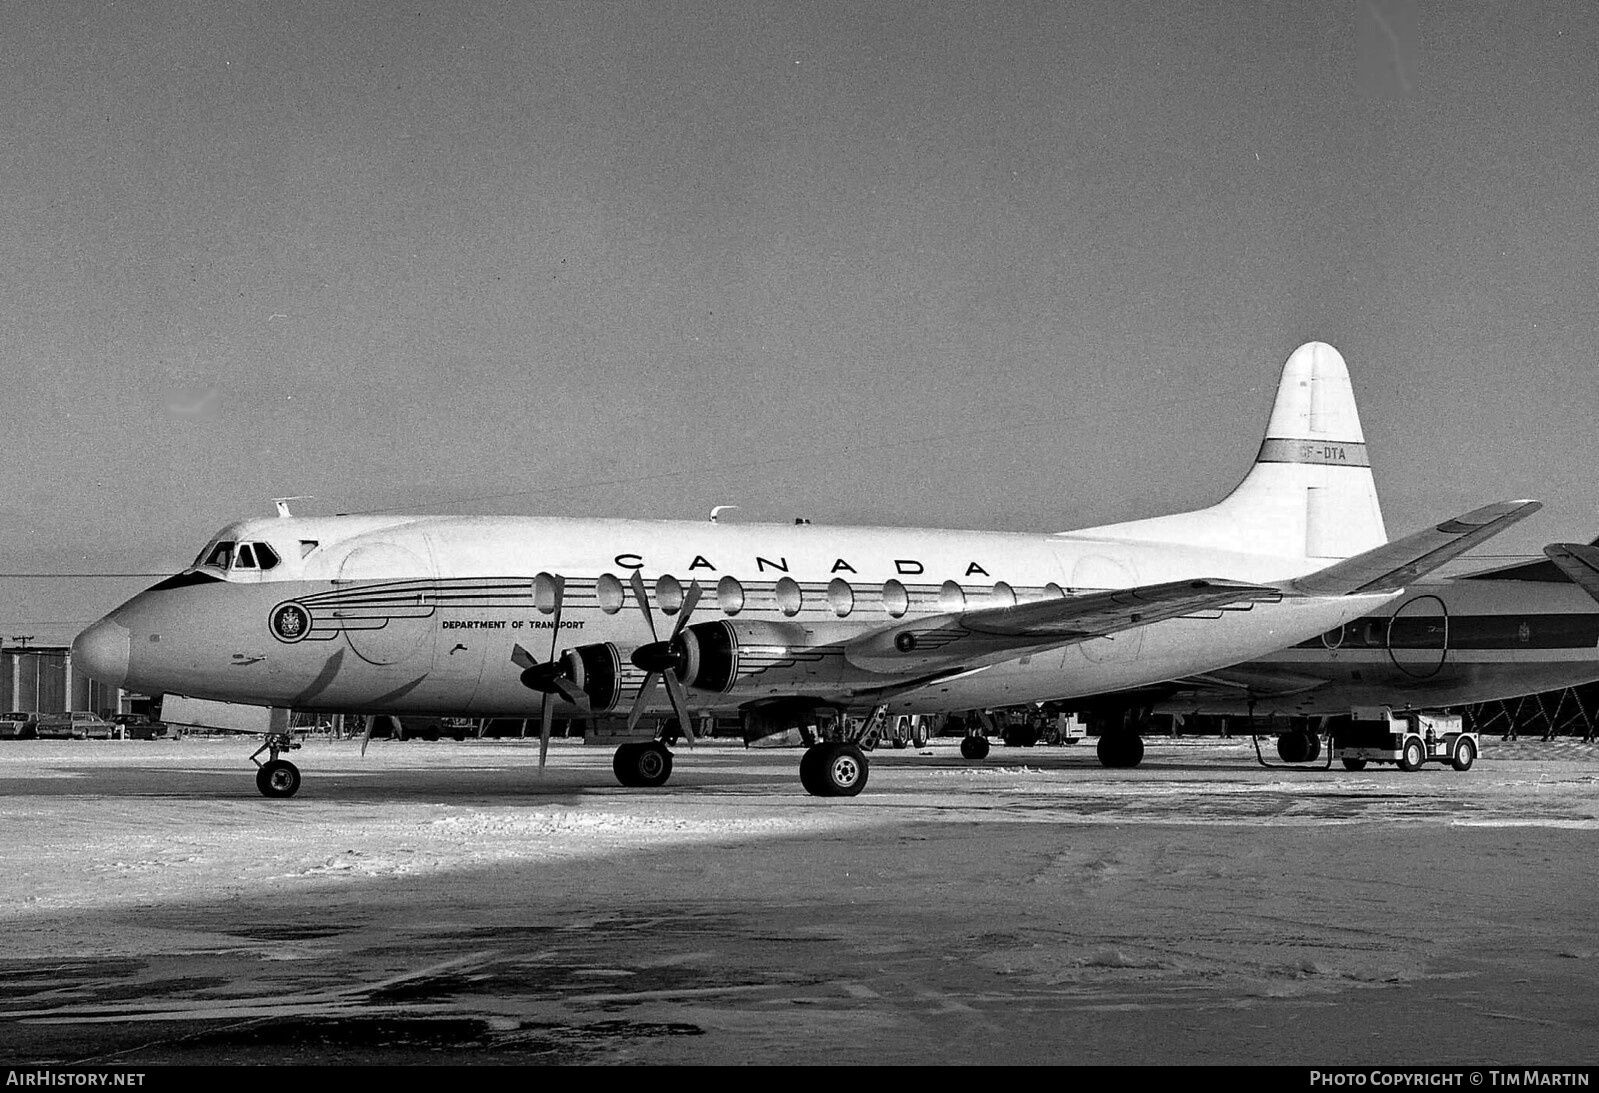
(448, 903)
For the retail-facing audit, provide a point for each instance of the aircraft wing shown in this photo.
(1250, 679)
(1392, 566)
(1580, 563)
(990, 634)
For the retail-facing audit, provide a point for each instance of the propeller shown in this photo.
(550, 677)
(664, 659)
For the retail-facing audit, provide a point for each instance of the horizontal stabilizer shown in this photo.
(1392, 566)
(991, 634)
(1580, 563)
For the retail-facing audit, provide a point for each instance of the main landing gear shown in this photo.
(1121, 749)
(833, 768)
(1121, 741)
(645, 763)
(277, 777)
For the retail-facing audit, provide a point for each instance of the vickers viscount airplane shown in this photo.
(1492, 634)
(512, 616)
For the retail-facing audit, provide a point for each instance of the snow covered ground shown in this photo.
(447, 902)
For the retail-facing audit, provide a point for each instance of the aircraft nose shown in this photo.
(101, 652)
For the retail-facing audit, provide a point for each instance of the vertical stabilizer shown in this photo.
(1310, 493)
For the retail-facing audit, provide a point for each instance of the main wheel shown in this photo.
(1413, 756)
(1354, 764)
(1120, 750)
(808, 764)
(974, 747)
(1465, 755)
(837, 770)
(642, 765)
(278, 778)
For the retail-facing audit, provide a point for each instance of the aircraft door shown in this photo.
(384, 604)
(1096, 572)
(1418, 637)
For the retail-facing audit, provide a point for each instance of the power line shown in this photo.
(97, 576)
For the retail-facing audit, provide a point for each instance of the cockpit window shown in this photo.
(245, 558)
(221, 555)
(265, 556)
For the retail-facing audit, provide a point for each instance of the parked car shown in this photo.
(77, 725)
(19, 725)
(138, 726)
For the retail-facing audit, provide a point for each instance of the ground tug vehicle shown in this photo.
(1407, 738)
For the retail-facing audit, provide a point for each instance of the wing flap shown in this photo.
(1392, 566)
(988, 635)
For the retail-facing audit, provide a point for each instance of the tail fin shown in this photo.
(1310, 493)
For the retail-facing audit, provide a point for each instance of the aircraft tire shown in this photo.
(1412, 757)
(1314, 747)
(1294, 746)
(1120, 750)
(1465, 755)
(1354, 764)
(974, 747)
(278, 778)
(642, 765)
(808, 764)
(838, 770)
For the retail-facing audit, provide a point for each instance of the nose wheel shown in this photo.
(276, 777)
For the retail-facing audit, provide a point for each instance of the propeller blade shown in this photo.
(674, 690)
(555, 623)
(642, 700)
(643, 598)
(366, 737)
(571, 692)
(522, 658)
(691, 598)
(546, 719)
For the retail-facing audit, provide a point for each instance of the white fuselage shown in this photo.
(422, 614)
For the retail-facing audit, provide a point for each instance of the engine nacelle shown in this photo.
(597, 672)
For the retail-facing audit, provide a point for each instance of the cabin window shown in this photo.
(1004, 595)
(896, 601)
(730, 595)
(789, 597)
(608, 590)
(840, 597)
(668, 594)
(307, 546)
(951, 597)
(545, 593)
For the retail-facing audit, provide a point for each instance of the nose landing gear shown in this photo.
(277, 777)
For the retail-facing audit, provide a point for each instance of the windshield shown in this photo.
(229, 554)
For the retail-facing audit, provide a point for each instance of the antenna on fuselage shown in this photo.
(717, 510)
(282, 504)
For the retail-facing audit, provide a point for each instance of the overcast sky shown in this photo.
(1024, 266)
